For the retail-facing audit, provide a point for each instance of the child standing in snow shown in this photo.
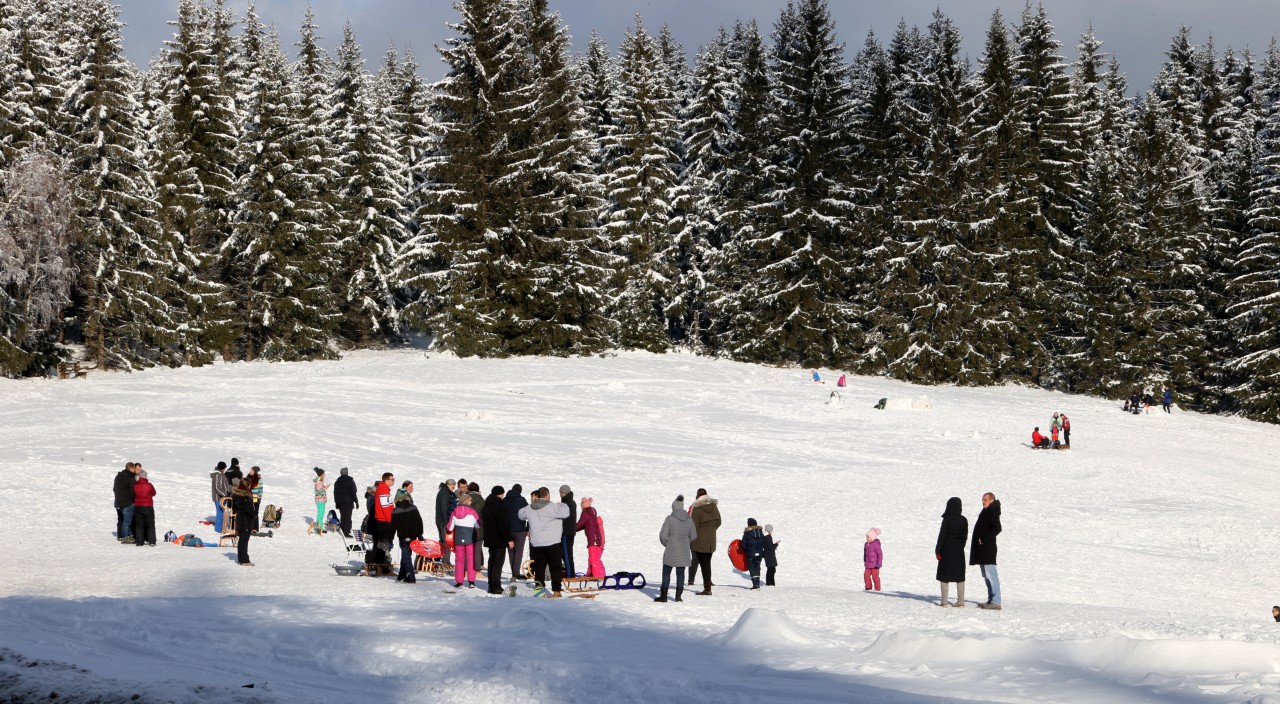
(770, 556)
(465, 525)
(753, 547)
(322, 498)
(872, 559)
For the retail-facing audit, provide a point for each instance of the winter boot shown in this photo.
(755, 582)
(661, 599)
(679, 593)
(959, 595)
(945, 588)
(706, 591)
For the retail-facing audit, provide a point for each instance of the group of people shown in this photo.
(688, 537)
(1060, 425)
(134, 496)
(241, 493)
(1138, 402)
(952, 535)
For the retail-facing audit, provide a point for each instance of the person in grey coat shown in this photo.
(677, 534)
(546, 528)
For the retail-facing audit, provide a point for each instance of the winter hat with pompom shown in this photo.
(319, 472)
(873, 534)
(402, 495)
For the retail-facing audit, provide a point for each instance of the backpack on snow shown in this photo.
(191, 541)
(271, 516)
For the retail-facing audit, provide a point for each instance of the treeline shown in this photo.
(890, 209)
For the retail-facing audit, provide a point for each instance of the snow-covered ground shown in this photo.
(1138, 567)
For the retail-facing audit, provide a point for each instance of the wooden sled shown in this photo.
(582, 585)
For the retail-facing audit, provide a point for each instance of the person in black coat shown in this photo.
(242, 510)
(982, 551)
(950, 550)
(446, 501)
(497, 535)
(344, 494)
(754, 544)
(407, 523)
(122, 494)
(234, 471)
(513, 502)
(570, 529)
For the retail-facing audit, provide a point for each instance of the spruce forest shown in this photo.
(887, 208)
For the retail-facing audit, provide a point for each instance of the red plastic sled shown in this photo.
(737, 556)
(429, 549)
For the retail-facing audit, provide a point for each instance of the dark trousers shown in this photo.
(496, 558)
(444, 549)
(242, 544)
(1066, 436)
(407, 571)
(753, 568)
(771, 571)
(666, 580)
(516, 553)
(703, 560)
(544, 557)
(344, 519)
(382, 533)
(567, 542)
(144, 525)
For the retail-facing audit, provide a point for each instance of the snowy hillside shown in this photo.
(1138, 567)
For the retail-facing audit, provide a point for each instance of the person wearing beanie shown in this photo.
(242, 519)
(465, 524)
(590, 523)
(570, 529)
(872, 559)
(677, 535)
(497, 536)
(221, 490)
(144, 512)
(234, 471)
(344, 494)
(546, 524)
(706, 518)
(770, 556)
(753, 547)
(407, 524)
(950, 551)
(513, 502)
(446, 501)
(321, 491)
(982, 550)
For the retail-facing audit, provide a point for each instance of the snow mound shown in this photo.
(528, 621)
(919, 403)
(763, 628)
(479, 415)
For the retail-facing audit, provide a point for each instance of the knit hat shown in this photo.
(768, 528)
(402, 495)
(678, 504)
(751, 523)
(142, 474)
(343, 471)
(498, 490)
(873, 534)
(319, 472)
(221, 466)
(235, 462)
(564, 489)
(517, 488)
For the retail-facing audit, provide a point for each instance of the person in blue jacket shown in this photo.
(1168, 399)
(753, 547)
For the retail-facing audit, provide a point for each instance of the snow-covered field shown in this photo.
(1141, 566)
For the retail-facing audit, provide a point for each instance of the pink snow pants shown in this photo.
(595, 568)
(870, 575)
(464, 563)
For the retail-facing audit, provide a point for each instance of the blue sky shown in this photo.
(1138, 31)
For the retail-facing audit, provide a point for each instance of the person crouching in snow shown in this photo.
(1038, 440)
(770, 556)
(1054, 433)
(872, 559)
(464, 523)
(753, 547)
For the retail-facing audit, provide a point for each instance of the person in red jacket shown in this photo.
(1039, 440)
(383, 505)
(144, 512)
(589, 523)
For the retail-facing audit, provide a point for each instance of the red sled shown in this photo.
(429, 549)
(737, 556)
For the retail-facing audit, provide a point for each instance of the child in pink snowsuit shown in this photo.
(589, 522)
(872, 558)
(465, 523)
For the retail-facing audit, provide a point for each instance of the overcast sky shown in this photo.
(1136, 31)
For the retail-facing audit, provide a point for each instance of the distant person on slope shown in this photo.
(321, 491)
(753, 546)
(676, 535)
(446, 501)
(706, 518)
(242, 510)
(1066, 431)
(770, 556)
(1054, 442)
(407, 523)
(122, 493)
(1038, 440)
(144, 512)
(872, 559)
(589, 523)
(1167, 401)
(513, 502)
(546, 523)
(221, 488)
(841, 382)
(344, 495)
(816, 377)
(982, 551)
(949, 550)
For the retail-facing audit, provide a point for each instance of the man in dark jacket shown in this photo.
(706, 517)
(753, 547)
(242, 506)
(950, 550)
(982, 552)
(122, 494)
(446, 501)
(513, 502)
(344, 493)
(497, 536)
(570, 528)
(407, 523)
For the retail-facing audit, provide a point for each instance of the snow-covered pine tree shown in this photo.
(371, 192)
(34, 78)
(276, 262)
(409, 119)
(641, 187)
(597, 80)
(802, 311)
(125, 281)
